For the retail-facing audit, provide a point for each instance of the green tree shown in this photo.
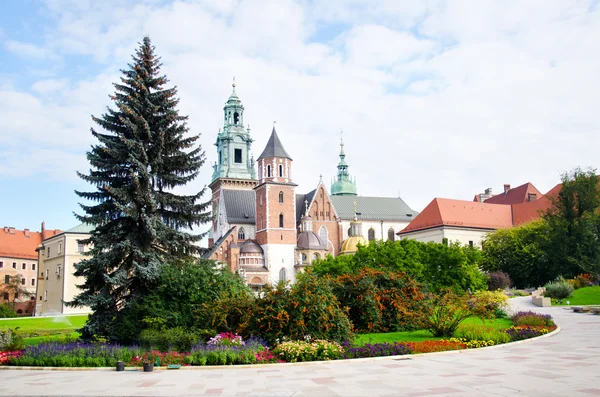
(520, 252)
(143, 155)
(574, 224)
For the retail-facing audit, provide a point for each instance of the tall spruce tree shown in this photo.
(144, 153)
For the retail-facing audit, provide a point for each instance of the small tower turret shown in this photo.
(343, 186)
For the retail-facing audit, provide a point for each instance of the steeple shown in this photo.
(344, 185)
(274, 163)
(233, 143)
(274, 148)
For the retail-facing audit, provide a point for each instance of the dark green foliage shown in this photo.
(558, 289)
(10, 340)
(435, 265)
(142, 155)
(165, 340)
(307, 308)
(574, 224)
(519, 252)
(6, 311)
(183, 287)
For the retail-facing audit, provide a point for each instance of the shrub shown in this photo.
(380, 300)
(178, 339)
(498, 280)
(307, 308)
(477, 332)
(558, 289)
(376, 350)
(485, 304)
(445, 312)
(10, 340)
(266, 357)
(318, 350)
(532, 319)
(429, 346)
(203, 354)
(6, 311)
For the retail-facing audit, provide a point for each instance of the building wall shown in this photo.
(56, 282)
(278, 256)
(465, 236)
(29, 274)
(376, 226)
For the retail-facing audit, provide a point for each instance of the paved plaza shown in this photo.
(564, 364)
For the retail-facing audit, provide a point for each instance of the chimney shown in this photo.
(506, 188)
(5, 229)
(532, 196)
(43, 227)
(26, 232)
(11, 230)
(488, 191)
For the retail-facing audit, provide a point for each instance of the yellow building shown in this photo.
(56, 285)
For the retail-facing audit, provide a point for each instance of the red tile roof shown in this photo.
(519, 194)
(532, 210)
(22, 243)
(461, 213)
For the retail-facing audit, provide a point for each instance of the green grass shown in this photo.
(45, 329)
(421, 335)
(583, 296)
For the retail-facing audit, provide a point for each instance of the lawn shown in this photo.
(421, 335)
(583, 296)
(44, 329)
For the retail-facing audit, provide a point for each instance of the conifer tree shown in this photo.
(142, 155)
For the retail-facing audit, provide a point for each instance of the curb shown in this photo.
(308, 363)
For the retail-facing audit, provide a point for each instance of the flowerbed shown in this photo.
(376, 350)
(532, 319)
(522, 332)
(318, 350)
(430, 346)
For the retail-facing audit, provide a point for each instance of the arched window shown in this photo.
(281, 197)
(280, 220)
(391, 234)
(303, 256)
(241, 234)
(236, 118)
(283, 274)
(349, 230)
(280, 170)
(371, 234)
(268, 170)
(315, 256)
(323, 235)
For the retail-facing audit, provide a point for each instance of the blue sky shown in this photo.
(436, 98)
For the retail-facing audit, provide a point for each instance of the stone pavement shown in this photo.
(561, 365)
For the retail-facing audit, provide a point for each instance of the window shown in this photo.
(24, 266)
(280, 220)
(315, 256)
(323, 235)
(5, 296)
(268, 171)
(260, 199)
(241, 234)
(22, 281)
(391, 234)
(14, 265)
(1, 265)
(282, 274)
(59, 248)
(33, 266)
(32, 282)
(46, 295)
(280, 170)
(471, 243)
(371, 234)
(237, 156)
(445, 241)
(16, 295)
(80, 247)
(6, 279)
(236, 118)
(303, 257)
(48, 252)
(281, 197)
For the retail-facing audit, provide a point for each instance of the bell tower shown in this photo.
(234, 168)
(276, 210)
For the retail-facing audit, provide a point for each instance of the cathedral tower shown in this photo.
(276, 210)
(344, 185)
(234, 168)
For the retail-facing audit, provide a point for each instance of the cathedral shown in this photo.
(268, 232)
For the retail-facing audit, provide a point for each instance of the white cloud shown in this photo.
(435, 98)
(27, 50)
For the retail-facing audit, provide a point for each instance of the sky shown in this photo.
(435, 98)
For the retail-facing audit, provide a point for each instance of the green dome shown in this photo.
(343, 188)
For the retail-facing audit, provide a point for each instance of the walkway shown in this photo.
(565, 364)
